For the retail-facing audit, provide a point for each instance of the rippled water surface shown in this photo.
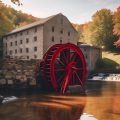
(101, 102)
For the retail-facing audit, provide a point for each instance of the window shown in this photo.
(35, 29)
(11, 43)
(53, 29)
(27, 57)
(6, 44)
(35, 56)
(15, 51)
(21, 42)
(27, 50)
(35, 38)
(61, 31)
(60, 41)
(10, 52)
(6, 38)
(35, 49)
(20, 50)
(52, 38)
(68, 33)
(27, 40)
(11, 36)
(15, 42)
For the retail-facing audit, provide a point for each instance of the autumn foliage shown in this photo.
(116, 29)
(11, 19)
(103, 30)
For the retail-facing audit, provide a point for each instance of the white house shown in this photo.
(33, 40)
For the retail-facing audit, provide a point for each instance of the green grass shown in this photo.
(111, 58)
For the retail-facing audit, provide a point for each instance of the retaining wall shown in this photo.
(17, 72)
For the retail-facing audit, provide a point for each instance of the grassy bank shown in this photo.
(110, 62)
(112, 56)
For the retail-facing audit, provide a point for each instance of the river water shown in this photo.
(101, 102)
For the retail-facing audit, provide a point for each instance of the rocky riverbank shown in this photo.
(106, 77)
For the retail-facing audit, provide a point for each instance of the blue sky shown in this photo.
(77, 11)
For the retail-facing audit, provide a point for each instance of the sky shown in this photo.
(77, 11)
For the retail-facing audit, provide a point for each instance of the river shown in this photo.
(101, 102)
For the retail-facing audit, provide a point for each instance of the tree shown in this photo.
(6, 23)
(17, 2)
(101, 28)
(117, 43)
(87, 33)
(116, 19)
(116, 29)
(11, 19)
(79, 29)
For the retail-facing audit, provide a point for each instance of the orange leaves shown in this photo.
(117, 43)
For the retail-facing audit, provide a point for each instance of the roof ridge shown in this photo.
(38, 22)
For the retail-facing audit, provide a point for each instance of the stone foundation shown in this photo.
(17, 72)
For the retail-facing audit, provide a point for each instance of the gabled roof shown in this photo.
(39, 22)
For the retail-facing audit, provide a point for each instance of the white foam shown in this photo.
(110, 77)
(9, 99)
(86, 116)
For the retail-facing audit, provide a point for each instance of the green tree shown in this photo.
(101, 28)
(6, 23)
(11, 18)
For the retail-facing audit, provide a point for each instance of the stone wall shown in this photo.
(15, 44)
(17, 72)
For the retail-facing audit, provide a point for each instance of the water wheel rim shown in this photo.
(45, 57)
(55, 55)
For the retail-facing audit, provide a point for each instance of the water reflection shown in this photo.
(102, 102)
(60, 107)
(44, 107)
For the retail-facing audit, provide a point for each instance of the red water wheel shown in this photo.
(63, 65)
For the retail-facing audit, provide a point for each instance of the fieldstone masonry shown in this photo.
(17, 72)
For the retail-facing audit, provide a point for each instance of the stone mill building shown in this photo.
(33, 40)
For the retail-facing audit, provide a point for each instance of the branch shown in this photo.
(16, 2)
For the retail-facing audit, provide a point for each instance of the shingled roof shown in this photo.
(39, 22)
